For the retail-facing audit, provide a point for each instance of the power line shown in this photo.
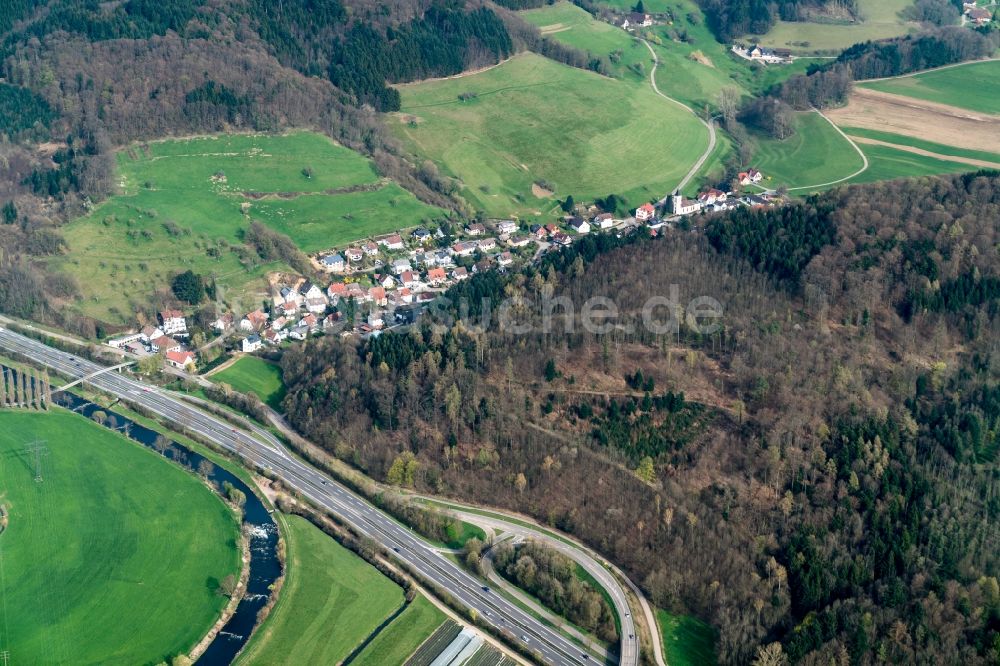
(37, 449)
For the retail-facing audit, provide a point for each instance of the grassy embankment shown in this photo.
(250, 374)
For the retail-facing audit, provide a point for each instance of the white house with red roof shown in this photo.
(180, 359)
(645, 212)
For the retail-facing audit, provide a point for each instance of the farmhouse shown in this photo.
(180, 359)
(637, 20)
(172, 322)
(645, 212)
(750, 177)
(979, 15)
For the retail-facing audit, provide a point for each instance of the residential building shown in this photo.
(370, 249)
(377, 296)
(395, 242)
(310, 290)
(409, 279)
(164, 344)
(421, 235)
(645, 212)
(172, 322)
(464, 248)
(254, 321)
(223, 323)
(580, 225)
(460, 274)
(316, 305)
(506, 226)
(604, 220)
(475, 229)
(519, 241)
(401, 266)
(637, 20)
(487, 244)
(354, 254)
(149, 333)
(436, 276)
(333, 263)
(505, 259)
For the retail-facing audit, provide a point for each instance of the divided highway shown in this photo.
(327, 493)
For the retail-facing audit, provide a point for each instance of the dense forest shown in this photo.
(817, 475)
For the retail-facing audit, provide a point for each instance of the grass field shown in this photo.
(881, 20)
(250, 374)
(975, 86)
(182, 206)
(533, 120)
(931, 146)
(404, 635)
(330, 603)
(815, 154)
(114, 558)
(887, 163)
(687, 641)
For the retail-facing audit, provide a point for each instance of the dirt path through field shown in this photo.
(927, 153)
(930, 121)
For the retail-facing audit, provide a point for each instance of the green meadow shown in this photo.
(973, 86)
(931, 146)
(886, 163)
(331, 601)
(881, 19)
(687, 641)
(403, 635)
(183, 204)
(115, 557)
(532, 120)
(815, 154)
(250, 374)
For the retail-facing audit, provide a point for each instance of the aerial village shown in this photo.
(385, 281)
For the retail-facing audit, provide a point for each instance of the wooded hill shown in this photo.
(819, 473)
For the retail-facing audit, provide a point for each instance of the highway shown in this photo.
(324, 492)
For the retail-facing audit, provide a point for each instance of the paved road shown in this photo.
(323, 491)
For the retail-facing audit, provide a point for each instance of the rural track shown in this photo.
(928, 71)
(709, 124)
(864, 159)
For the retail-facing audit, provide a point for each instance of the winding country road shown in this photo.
(864, 159)
(709, 124)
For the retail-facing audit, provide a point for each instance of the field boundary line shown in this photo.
(971, 161)
(864, 158)
(709, 124)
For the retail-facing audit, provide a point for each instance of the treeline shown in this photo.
(440, 43)
(732, 18)
(551, 577)
(275, 246)
(830, 84)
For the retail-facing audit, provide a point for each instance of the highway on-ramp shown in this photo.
(328, 494)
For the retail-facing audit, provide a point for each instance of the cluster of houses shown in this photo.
(161, 338)
(714, 200)
(976, 15)
(766, 55)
